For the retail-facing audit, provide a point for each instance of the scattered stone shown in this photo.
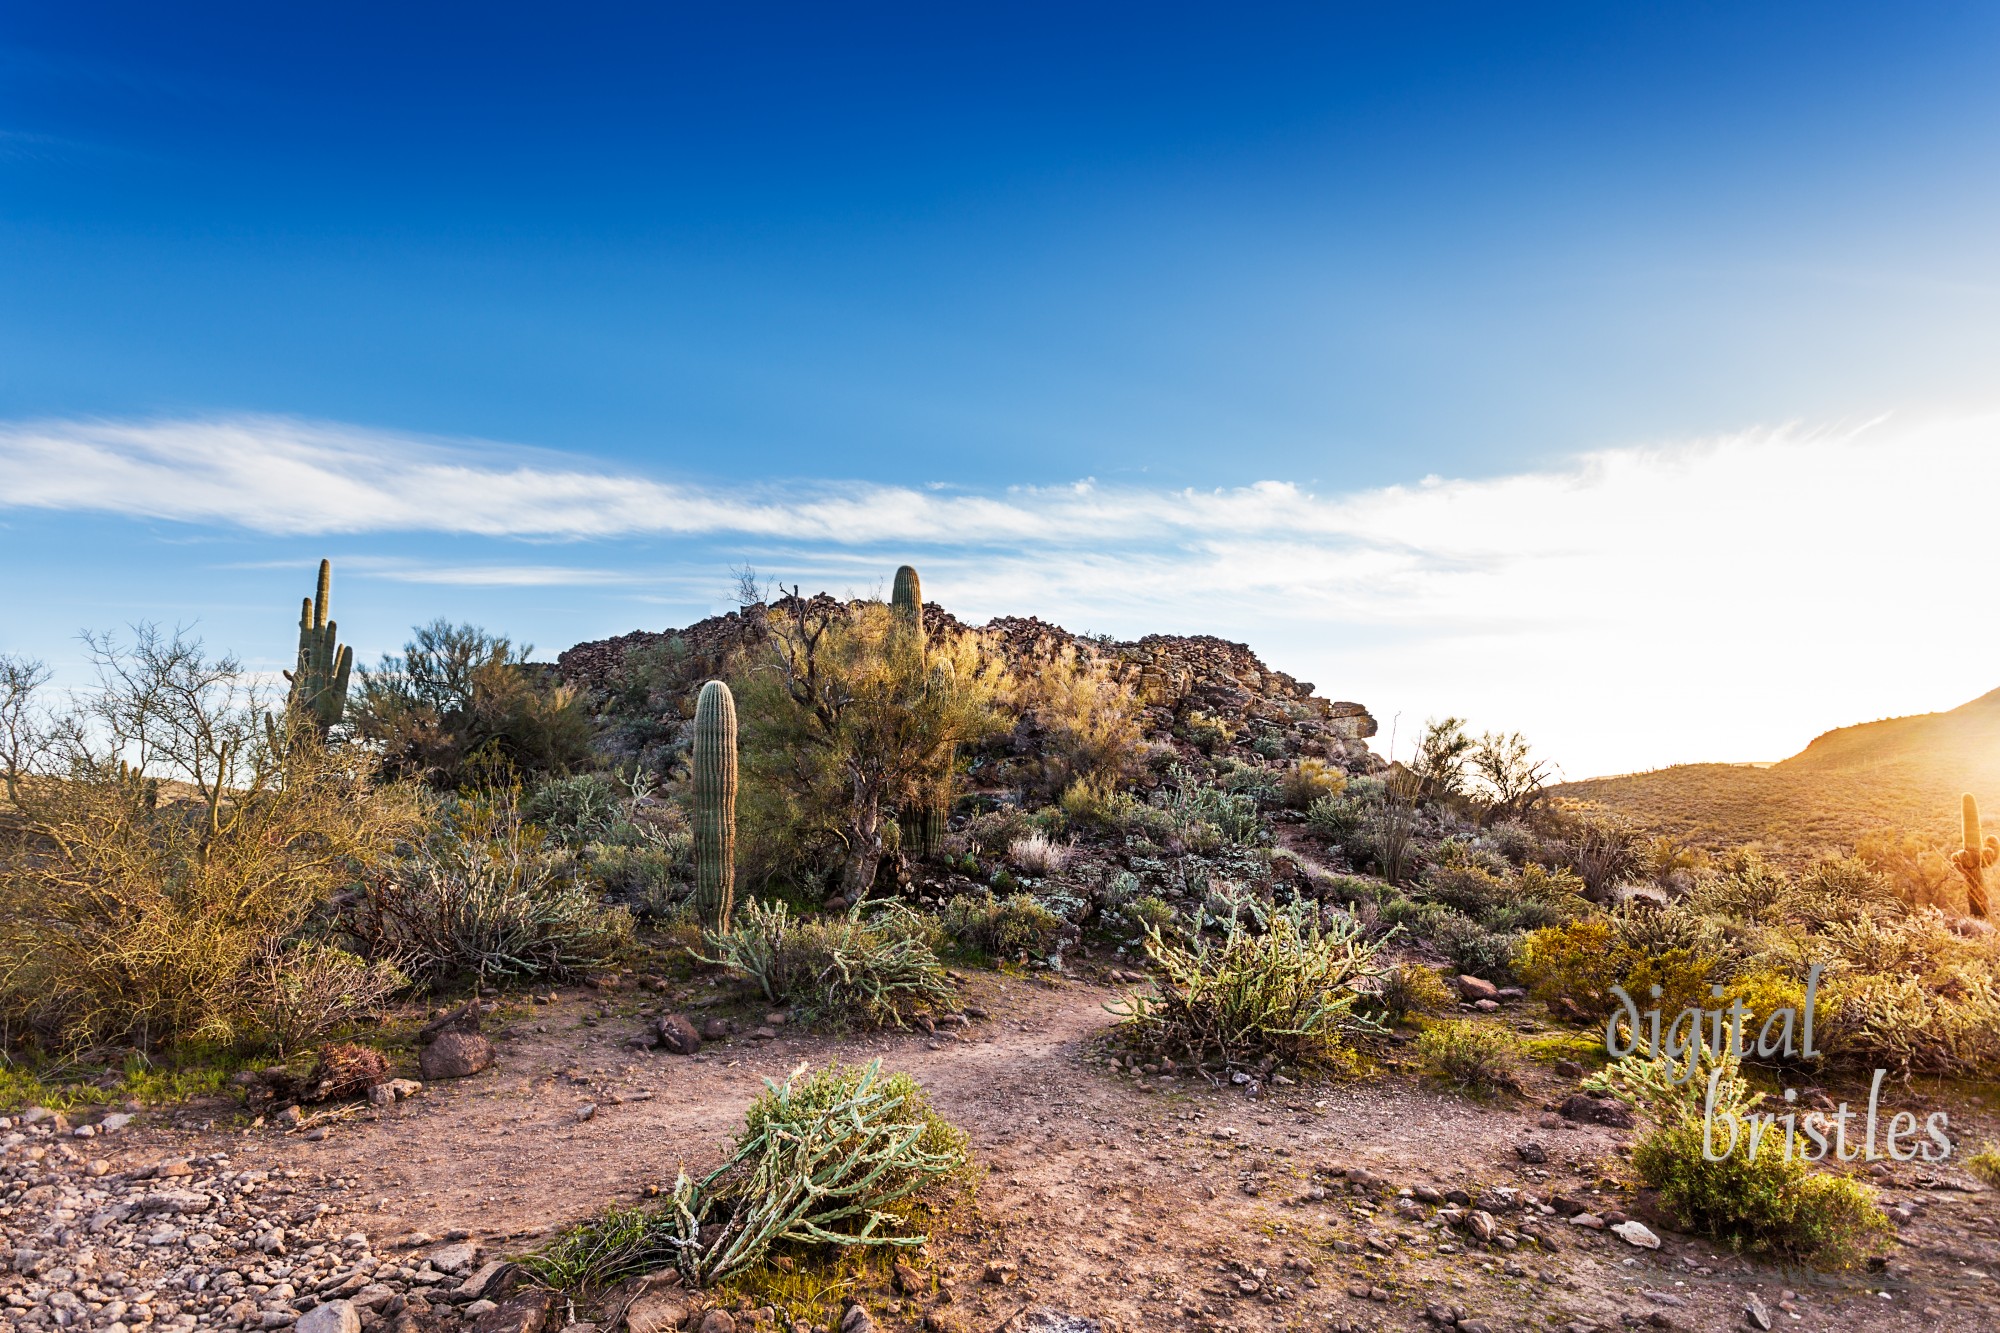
(1756, 1311)
(1530, 1151)
(1591, 1221)
(1055, 1321)
(1568, 1069)
(1486, 1006)
(332, 1317)
(857, 1320)
(720, 1321)
(1477, 988)
(1000, 1272)
(678, 1035)
(657, 1312)
(1481, 1224)
(454, 1259)
(525, 1312)
(1597, 1110)
(714, 1029)
(455, 1054)
(1637, 1233)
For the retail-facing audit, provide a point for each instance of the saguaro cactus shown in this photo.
(1973, 858)
(908, 599)
(319, 684)
(715, 805)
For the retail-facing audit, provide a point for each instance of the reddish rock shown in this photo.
(455, 1055)
(1477, 988)
(678, 1035)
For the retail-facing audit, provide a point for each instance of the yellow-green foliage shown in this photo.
(1985, 1164)
(1412, 989)
(1578, 963)
(1087, 720)
(1284, 995)
(1762, 1201)
(1004, 928)
(1309, 780)
(1574, 963)
(1473, 1057)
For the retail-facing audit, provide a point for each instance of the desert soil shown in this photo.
(1138, 1202)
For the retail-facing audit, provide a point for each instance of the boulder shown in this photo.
(678, 1035)
(1586, 1109)
(1477, 988)
(332, 1317)
(527, 1312)
(657, 1312)
(455, 1055)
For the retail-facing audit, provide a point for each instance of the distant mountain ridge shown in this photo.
(1901, 772)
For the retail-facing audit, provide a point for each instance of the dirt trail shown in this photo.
(1144, 1203)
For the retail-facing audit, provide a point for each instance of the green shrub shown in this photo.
(305, 993)
(1286, 994)
(1472, 1057)
(651, 881)
(1760, 1201)
(1339, 817)
(486, 897)
(1005, 928)
(839, 1156)
(858, 969)
(575, 810)
(1476, 950)
(1149, 913)
(1985, 1164)
(1412, 989)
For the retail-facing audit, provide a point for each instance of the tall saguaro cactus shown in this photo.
(908, 598)
(319, 684)
(1974, 857)
(715, 805)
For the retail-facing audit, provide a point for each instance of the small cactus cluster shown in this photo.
(319, 683)
(1974, 858)
(715, 806)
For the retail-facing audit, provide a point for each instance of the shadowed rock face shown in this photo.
(1170, 674)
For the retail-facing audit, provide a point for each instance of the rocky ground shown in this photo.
(1113, 1199)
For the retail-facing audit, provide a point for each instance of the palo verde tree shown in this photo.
(847, 717)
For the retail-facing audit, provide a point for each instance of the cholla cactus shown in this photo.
(319, 684)
(908, 598)
(1974, 857)
(715, 805)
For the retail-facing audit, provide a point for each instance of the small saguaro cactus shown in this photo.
(1974, 857)
(908, 599)
(715, 805)
(319, 684)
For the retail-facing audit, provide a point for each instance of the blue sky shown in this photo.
(826, 288)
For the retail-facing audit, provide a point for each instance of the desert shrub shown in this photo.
(576, 810)
(1120, 889)
(1472, 1057)
(1085, 802)
(1985, 1164)
(836, 1156)
(1572, 965)
(1760, 1200)
(1909, 1026)
(1412, 989)
(1211, 818)
(1921, 874)
(1284, 995)
(866, 969)
(1600, 847)
(145, 902)
(650, 881)
(1337, 817)
(1242, 777)
(1743, 887)
(461, 704)
(1149, 914)
(1005, 927)
(1469, 888)
(485, 896)
(1474, 949)
(1039, 855)
(1207, 732)
(1084, 721)
(304, 993)
(845, 717)
(1838, 890)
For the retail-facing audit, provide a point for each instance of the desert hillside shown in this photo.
(1905, 773)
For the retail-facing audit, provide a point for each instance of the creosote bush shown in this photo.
(867, 967)
(1285, 995)
(1473, 1057)
(839, 1157)
(1411, 989)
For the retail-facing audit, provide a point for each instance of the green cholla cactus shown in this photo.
(1974, 857)
(319, 684)
(908, 599)
(715, 805)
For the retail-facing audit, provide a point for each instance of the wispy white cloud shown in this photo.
(1723, 598)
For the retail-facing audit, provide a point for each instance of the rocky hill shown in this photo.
(1905, 773)
(1171, 675)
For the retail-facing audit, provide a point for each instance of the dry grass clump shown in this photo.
(860, 969)
(1286, 995)
(1311, 779)
(841, 1157)
(1040, 855)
